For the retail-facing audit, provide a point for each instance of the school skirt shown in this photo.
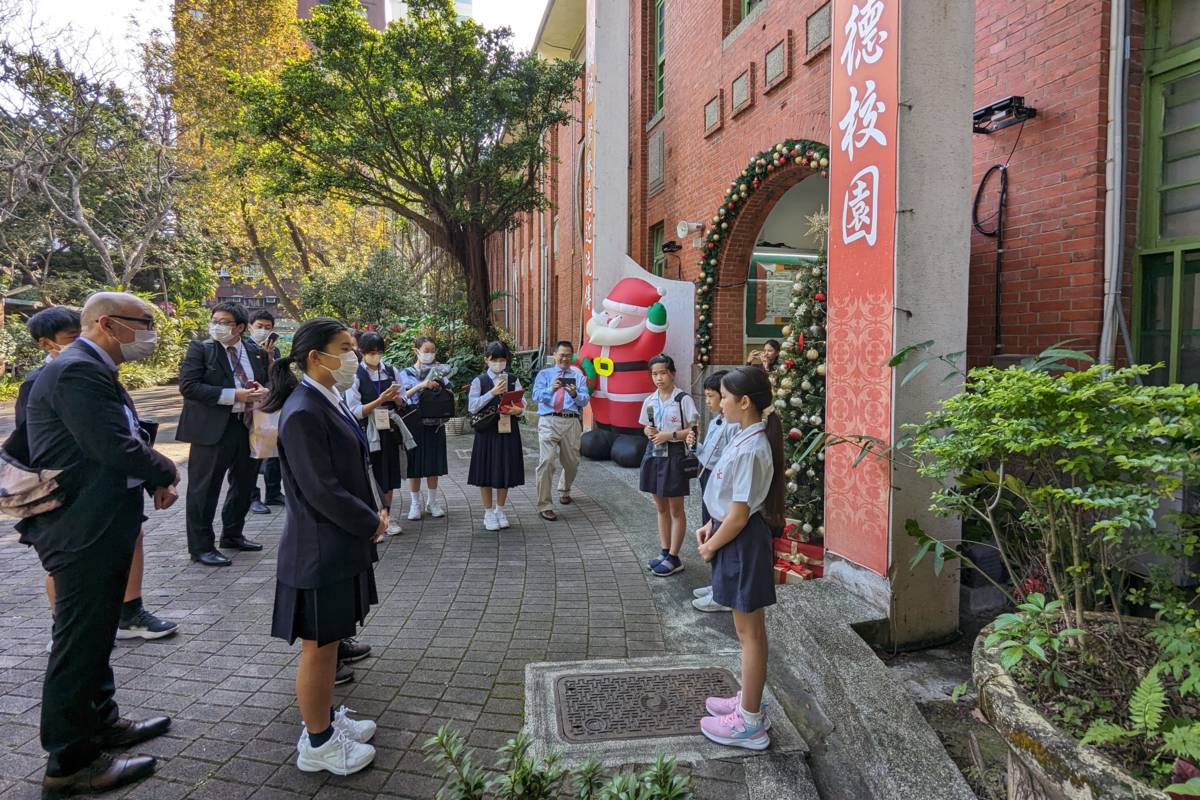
(743, 577)
(428, 458)
(386, 462)
(663, 475)
(325, 614)
(497, 459)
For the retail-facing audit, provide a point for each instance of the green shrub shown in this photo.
(523, 776)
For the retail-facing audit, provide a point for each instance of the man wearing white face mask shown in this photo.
(222, 380)
(82, 421)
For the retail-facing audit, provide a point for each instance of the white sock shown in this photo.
(427, 494)
(750, 718)
(416, 497)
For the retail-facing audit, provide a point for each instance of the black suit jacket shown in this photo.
(203, 375)
(331, 511)
(76, 422)
(23, 395)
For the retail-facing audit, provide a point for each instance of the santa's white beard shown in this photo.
(603, 336)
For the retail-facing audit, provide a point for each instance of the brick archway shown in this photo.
(729, 305)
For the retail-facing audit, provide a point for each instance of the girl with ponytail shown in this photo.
(325, 579)
(744, 497)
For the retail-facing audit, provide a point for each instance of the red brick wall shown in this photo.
(700, 62)
(1055, 55)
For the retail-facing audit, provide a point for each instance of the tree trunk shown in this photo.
(470, 252)
(260, 254)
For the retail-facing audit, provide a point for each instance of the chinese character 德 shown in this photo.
(864, 39)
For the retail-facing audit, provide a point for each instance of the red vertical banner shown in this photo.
(862, 257)
(588, 209)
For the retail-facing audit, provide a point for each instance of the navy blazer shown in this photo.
(331, 512)
(76, 421)
(203, 375)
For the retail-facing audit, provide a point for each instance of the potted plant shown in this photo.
(1067, 470)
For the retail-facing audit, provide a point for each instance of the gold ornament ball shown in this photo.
(812, 355)
(787, 330)
(820, 369)
(824, 163)
(806, 386)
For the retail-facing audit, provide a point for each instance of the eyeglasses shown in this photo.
(147, 321)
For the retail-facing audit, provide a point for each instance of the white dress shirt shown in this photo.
(229, 396)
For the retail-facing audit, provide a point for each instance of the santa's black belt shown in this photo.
(629, 366)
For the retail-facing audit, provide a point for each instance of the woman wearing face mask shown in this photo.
(497, 459)
(427, 461)
(372, 399)
(325, 583)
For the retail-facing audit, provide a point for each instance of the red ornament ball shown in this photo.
(819, 297)
(789, 363)
(730, 206)
(824, 173)
(794, 434)
(800, 340)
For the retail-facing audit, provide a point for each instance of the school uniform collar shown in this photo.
(746, 433)
(330, 394)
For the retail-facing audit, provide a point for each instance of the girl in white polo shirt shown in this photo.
(744, 497)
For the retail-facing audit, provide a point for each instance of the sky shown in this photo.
(115, 26)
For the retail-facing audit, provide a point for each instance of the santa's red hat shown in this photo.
(632, 296)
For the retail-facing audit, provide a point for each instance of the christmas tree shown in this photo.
(799, 387)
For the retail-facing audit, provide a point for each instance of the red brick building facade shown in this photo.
(735, 77)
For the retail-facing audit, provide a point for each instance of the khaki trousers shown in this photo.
(558, 441)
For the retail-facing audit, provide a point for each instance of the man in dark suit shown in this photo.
(262, 331)
(81, 420)
(221, 379)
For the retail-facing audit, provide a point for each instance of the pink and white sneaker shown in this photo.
(734, 731)
(723, 706)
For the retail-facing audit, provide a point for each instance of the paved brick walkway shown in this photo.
(462, 612)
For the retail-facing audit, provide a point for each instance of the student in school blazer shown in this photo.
(214, 422)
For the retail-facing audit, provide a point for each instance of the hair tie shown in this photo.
(769, 410)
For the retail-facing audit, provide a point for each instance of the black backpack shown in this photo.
(436, 407)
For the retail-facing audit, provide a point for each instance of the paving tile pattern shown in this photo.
(462, 612)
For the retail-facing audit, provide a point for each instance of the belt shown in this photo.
(567, 414)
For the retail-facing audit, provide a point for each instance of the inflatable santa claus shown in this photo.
(629, 330)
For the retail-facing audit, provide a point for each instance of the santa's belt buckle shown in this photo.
(604, 366)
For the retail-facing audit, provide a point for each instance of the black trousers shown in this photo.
(272, 477)
(78, 693)
(207, 467)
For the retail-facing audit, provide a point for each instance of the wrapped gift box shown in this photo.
(799, 552)
(786, 572)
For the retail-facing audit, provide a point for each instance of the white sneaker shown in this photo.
(49, 645)
(395, 528)
(489, 520)
(435, 509)
(502, 518)
(414, 510)
(360, 730)
(703, 591)
(341, 755)
(706, 603)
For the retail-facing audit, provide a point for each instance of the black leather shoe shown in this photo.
(127, 733)
(101, 775)
(258, 508)
(244, 545)
(344, 674)
(212, 559)
(351, 650)
(274, 501)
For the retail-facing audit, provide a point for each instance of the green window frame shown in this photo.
(1166, 287)
(660, 53)
(756, 275)
(748, 6)
(658, 259)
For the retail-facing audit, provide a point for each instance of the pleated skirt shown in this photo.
(497, 460)
(428, 458)
(325, 614)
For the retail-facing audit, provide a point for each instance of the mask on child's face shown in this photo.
(426, 358)
(373, 359)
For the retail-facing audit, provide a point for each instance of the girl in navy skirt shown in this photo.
(667, 414)
(428, 459)
(372, 398)
(325, 580)
(744, 494)
(497, 459)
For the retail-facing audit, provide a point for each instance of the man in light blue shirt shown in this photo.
(561, 394)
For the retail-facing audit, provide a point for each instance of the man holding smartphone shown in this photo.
(561, 394)
(222, 380)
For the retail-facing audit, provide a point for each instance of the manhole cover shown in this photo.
(601, 706)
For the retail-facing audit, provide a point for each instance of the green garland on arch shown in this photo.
(802, 152)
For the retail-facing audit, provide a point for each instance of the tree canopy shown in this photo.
(437, 120)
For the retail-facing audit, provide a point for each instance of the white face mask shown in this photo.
(373, 359)
(259, 335)
(220, 332)
(141, 347)
(497, 366)
(343, 376)
(426, 358)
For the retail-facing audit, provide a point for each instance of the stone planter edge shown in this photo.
(1053, 757)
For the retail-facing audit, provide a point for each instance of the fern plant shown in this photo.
(1148, 721)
